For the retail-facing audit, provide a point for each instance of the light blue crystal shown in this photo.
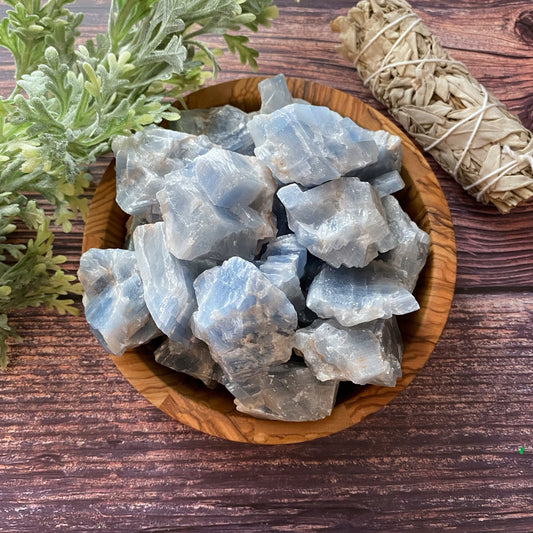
(190, 356)
(286, 392)
(341, 222)
(389, 155)
(356, 295)
(274, 94)
(143, 160)
(167, 282)
(218, 207)
(288, 248)
(113, 300)
(246, 321)
(387, 183)
(366, 353)
(412, 250)
(309, 144)
(283, 264)
(225, 125)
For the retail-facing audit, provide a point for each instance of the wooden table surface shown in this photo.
(80, 450)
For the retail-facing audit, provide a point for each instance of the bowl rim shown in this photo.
(187, 400)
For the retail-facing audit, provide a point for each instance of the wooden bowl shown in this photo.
(213, 411)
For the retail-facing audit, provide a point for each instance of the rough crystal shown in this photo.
(225, 125)
(286, 392)
(219, 206)
(246, 321)
(356, 295)
(342, 222)
(274, 94)
(283, 264)
(190, 356)
(310, 145)
(367, 353)
(167, 281)
(387, 183)
(411, 253)
(113, 299)
(143, 160)
(389, 154)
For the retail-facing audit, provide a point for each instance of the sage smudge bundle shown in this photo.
(468, 131)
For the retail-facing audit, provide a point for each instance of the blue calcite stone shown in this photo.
(363, 354)
(224, 125)
(288, 249)
(387, 183)
(310, 145)
(283, 264)
(356, 295)
(218, 207)
(411, 252)
(247, 322)
(389, 155)
(190, 356)
(288, 392)
(143, 160)
(341, 222)
(167, 282)
(274, 94)
(114, 301)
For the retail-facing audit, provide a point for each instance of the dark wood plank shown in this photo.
(80, 447)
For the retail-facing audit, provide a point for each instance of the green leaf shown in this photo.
(237, 44)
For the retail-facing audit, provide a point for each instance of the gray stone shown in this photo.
(341, 222)
(310, 145)
(143, 160)
(190, 356)
(412, 250)
(167, 282)
(363, 354)
(246, 321)
(113, 300)
(286, 392)
(225, 125)
(356, 295)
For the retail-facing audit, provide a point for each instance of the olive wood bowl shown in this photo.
(212, 411)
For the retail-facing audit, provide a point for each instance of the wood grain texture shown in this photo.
(81, 450)
(213, 411)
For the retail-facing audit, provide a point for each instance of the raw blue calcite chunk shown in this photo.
(288, 392)
(218, 207)
(411, 252)
(113, 300)
(224, 125)
(190, 356)
(387, 183)
(356, 295)
(143, 160)
(389, 155)
(283, 264)
(274, 94)
(366, 353)
(288, 249)
(341, 222)
(247, 322)
(167, 282)
(310, 145)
